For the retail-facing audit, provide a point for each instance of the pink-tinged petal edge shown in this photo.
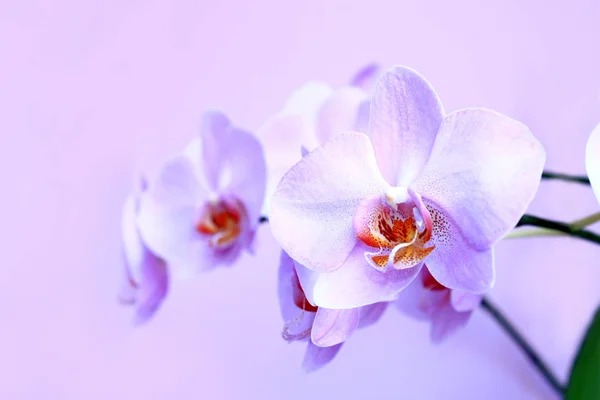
(332, 327)
(405, 117)
(354, 284)
(317, 357)
(484, 170)
(592, 160)
(313, 206)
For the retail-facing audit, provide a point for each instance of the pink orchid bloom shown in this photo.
(592, 160)
(447, 309)
(146, 277)
(203, 208)
(312, 115)
(362, 212)
(325, 330)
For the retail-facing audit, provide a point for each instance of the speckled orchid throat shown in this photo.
(221, 221)
(399, 228)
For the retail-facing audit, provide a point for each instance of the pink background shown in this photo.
(90, 90)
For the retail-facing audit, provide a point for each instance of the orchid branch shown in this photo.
(532, 220)
(576, 225)
(565, 177)
(531, 354)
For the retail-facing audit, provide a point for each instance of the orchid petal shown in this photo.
(454, 262)
(167, 214)
(372, 313)
(307, 100)
(484, 170)
(446, 321)
(333, 327)
(465, 301)
(339, 113)
(282, 137)
(316, 357)
(405, 116)
(354, 284)
(365, 76)
(313, 206)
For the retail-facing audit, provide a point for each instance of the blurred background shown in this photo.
(91, 90)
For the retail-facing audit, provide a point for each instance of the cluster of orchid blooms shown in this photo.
(377, 197)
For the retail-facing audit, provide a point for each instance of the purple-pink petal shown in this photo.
(145, 274)
(313, 206)
(483, 171)
(168, 214)
(445, 321)
(464, 301)
(405, 117)
(215, 135)
(354, 284)
(454, 262)
(365, 76)
(339, 113)
(332, 327)
(372, 313)
(316, 357)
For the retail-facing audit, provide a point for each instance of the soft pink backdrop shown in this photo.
(90, 90)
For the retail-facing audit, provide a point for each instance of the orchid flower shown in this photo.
(362, 213)
(146, 277)
(446, 309)
(325, 330)
(203, 208)
(592, 160)
(314, 114)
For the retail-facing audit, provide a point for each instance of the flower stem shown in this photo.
(584, 222)
(565, 177)
(523, 344)
(533, 233)
(532, 220)
(576, 225)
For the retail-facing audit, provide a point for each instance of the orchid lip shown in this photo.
(398, 232)
(221, 221)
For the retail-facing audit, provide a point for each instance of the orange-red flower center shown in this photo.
(383, 227)
(221, 220)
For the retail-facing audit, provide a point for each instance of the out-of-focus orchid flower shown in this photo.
(203, 207)
(146, 277)
(362, 212)
(314, 114)
(592, 160)
(325, 330)
(447, 309)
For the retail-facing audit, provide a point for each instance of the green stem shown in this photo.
(574, 226)
(584, 222)
(532, 220)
